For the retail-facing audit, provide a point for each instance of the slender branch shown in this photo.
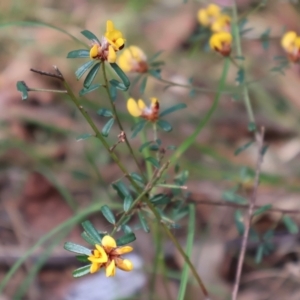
(47, 90)
(118, 119)
(57, 76)
(260, 145)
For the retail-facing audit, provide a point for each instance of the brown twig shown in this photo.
(260, 144)
(58, 75)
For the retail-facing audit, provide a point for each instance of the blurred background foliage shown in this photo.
(48, 177)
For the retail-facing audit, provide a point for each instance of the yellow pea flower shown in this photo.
(221, 24)
(206, 16)
(114, 36)
(108, 256)
(133, 59)
(290, 42)
(221, 42)
(139, 109)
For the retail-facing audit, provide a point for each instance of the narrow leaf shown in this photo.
(143, 85)
(92, 88)
(126, 239)
(145, 145)
(238, 218)
(113, 92)
(81, 271)
(127, 203)
(290, 225)
(83, 136)
(259, 254)
(231, 196)
(153, 161)
(77, 248)
(160, 199)
(172, 109)
(121, 74)
(157, 54)
(88, 238)
(127, 229)
(155, 73)
(82, 69)
(91, 231)
(143, 222)
(242, 148)
(89, 35)
(91, 75)
(83, 259)
(136, 177)
(107, 127)
(80, 53)
(108, 215)
(105, 112)
(118, 85)
(262, 209)
(138, 127)
(21, 87)
(164, 125)
(121, 189)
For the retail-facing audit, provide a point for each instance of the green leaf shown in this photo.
(231, 196)
(145, 145)
(143, 222)
(154, 147)
(240, 76)
(82, 69)
(121, 189)
(127, 203)
(127, 229)
(121, 74)
(21, 87)
(265, 38)
(89, 35)
(160, 199)
(172, 109)
(164, 125)
(242, 148)
(108, 215)
(126, 239)
(262, 209)
(251, 126)
(238, 219)
(153, 161)
(82, 258)
(105, 112)
(290, 225)
(136, 177)
(157, 54)
(77, 248)
(118, 85)
(88, 239)
(156, 64)
(264, 150)
(91, 75)
(107, 127)
(143, 85)
(113, 92)
(91, 231)
(138, 127)
(83, 136)
(92, 88)
(81, 271)
(80, 53)
(259, 254)
(155, 73)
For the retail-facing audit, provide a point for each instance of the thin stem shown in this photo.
(47, 90)
(118, 119)
(260, 144)
(237, 39)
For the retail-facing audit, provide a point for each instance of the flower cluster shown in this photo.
(108, 256)
(220, 25)
(133, 59)
(139, 109)
(110, 43)
(290, 42)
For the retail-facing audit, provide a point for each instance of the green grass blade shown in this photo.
(191, 139)
(189, 247)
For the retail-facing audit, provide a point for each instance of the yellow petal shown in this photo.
(222, 23)
(133, 108)
(111, 57)
(94, 52)
(287, 41)
(124, 63)
(108, 242)
(109, 25)
(137, 53)
(94, 267)
(213, 10)
(297, 43)
(122, 250)
(141, 104)
(111, 269)
(218, 39)
(203, 17)
(124, 264)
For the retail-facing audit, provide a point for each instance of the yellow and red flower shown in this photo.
(110, 43)
(139, 109)
(221, 43)
(133, 59)
(109, 256)
(290, 42)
